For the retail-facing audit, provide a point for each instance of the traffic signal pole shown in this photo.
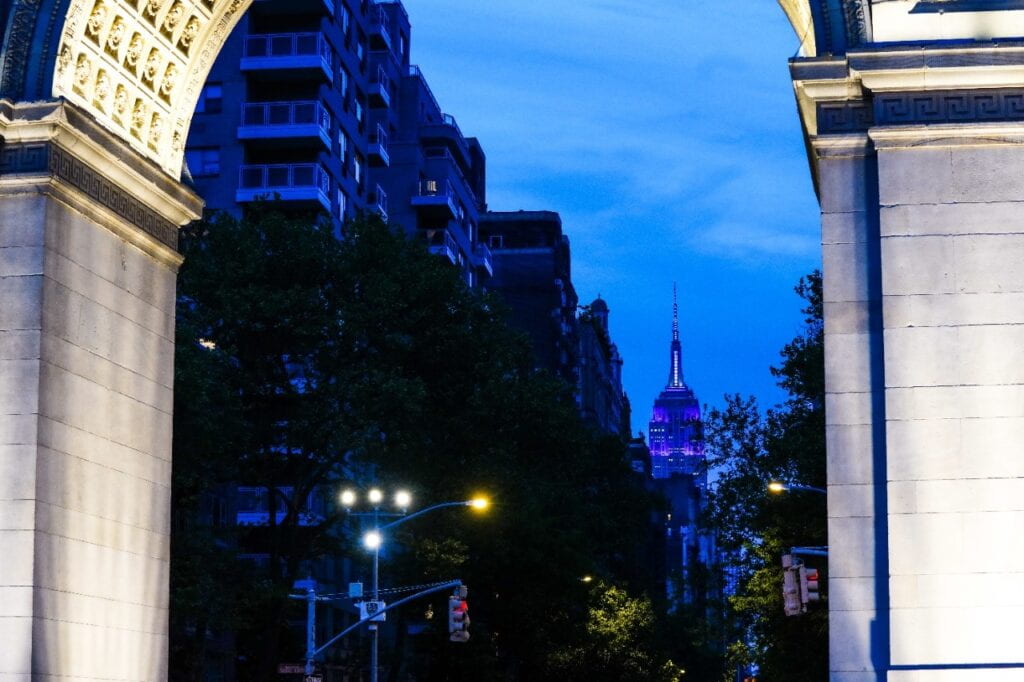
(312, 651)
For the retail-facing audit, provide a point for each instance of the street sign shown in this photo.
(367, 609)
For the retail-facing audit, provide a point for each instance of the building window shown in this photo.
(357, 165)
(342, 145)
(203, 161)
(344, 82)
(342, 203)
(211, 99)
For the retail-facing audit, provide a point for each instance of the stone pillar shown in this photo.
(88, 259)
(855, 415)
(952, 243)
(918, 154)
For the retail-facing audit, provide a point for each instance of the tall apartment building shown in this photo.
(676, 433)
(601, 399)
(316, 103)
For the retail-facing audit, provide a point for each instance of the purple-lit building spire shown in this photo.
(675, 374)
(676, 430)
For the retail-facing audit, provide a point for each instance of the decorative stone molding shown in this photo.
(138, 66)
(55, 145)
(949, 107)
(844, 117)
(57, 162)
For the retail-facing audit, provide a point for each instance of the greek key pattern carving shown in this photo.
(138, 66)
(844, 117)
(50, 159)
(949, 107)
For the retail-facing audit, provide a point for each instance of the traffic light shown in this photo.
(458, 616)
(808, 585)
(791, 594)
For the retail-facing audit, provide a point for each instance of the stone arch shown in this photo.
(136, 66)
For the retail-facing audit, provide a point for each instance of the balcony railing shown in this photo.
(378, 151)
(285, 119)
(441, 243)
(483, 258)
(380, 202)
(380, 90)
(288, 51)
(289, 181)
(380, 31)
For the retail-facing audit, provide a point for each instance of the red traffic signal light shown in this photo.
(458, 619)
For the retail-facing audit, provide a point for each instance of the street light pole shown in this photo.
(476, 503)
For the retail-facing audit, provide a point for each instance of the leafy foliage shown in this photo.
(368, 360)
(750, 448)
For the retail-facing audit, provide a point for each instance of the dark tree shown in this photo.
(305, 363)
(754, 527)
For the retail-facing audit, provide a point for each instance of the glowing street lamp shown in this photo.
(479, 503)
(403, 499)
(375, 496)
(372, 540)
(779, 487)
(348, 498)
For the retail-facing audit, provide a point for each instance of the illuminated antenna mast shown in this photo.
(675, 373)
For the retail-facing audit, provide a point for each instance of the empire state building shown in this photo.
(676, 433)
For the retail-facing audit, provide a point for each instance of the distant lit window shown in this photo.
(203, 161)
(357, 164)
(211, 99)
(342, 203)
(342, 145)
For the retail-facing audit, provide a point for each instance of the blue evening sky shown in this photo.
(666, 134)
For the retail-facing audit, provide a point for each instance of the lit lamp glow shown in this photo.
(375, 496)
(372, 540)
(403, 499)
(479, 503)
(776, 487)
(348, 498)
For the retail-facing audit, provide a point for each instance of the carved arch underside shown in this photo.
(829, 26)
(136, 65)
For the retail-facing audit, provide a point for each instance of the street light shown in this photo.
(779, 487)
(348, 498)
(479, 503)
(403, 499)
(375, 496)
(373, 540)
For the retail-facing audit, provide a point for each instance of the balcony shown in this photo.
(441, 243)
(298, 182)
(380, 90)
(378, 151)
(379, 202)
(483, 259)
(290, 121)
(284, 54)
(436, 200)
(380, 31)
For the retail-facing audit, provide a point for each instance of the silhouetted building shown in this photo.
(600, 395)
(676, 431)
(532, 274)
